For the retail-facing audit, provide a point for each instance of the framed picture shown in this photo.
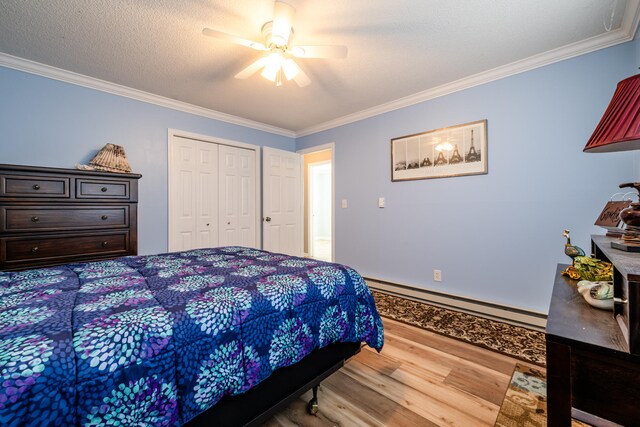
(451, 151)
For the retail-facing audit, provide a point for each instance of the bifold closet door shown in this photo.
(237, 181)
(193, 198)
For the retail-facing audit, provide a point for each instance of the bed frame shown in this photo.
(277, 391)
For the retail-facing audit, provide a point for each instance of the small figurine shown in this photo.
(597, 294)
(570, 250)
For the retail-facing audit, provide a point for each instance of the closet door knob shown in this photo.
(268, 219)
(35, 219)
(36, 187)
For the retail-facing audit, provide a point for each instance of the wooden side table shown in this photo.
(590, 373)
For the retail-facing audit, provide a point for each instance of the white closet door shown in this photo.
(193, 195)
(237, 216)
(207, 195)
(282, 201)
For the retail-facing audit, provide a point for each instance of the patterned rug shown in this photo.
(515, 341)
(525, 403)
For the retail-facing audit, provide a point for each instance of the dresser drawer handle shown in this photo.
(105, 244)
(35, 249)
(104, 189)
(104, 217)
(35, 219)
(36, 187)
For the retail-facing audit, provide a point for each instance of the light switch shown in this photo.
(381, 202)
(344, 203)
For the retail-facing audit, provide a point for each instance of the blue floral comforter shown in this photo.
(155, 340)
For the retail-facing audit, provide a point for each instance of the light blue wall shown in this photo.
(496, 237)
(45, 122)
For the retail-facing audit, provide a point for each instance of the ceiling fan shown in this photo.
(279, 50)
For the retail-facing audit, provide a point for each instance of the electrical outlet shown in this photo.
(437, 276)
(344, 203)
(381, 202)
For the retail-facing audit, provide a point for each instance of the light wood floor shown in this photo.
(419, 379)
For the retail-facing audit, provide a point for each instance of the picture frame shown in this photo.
(441, 153)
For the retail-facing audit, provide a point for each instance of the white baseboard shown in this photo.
(512, 315)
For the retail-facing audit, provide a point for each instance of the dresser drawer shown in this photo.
(61, 218)
(29, 249)
(102, 189)
(34, 186)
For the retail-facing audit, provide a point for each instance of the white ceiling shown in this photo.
(397, 48)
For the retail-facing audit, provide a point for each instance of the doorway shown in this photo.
(320, 210)
(318, 203)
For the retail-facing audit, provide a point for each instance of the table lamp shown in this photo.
(619, 130)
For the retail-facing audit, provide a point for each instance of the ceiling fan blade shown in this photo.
(328, 51)
(233, 39)
(302, 79)
(282, 22)
(251, 69)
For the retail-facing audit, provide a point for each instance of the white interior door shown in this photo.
(282, 201)
(238, 196)
(193, 194)
(207, 191)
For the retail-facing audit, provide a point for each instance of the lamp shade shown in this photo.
(619, 128)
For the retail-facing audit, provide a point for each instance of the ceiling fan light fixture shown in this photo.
(274, 60)
(290, 68)
(277, 64)
(270, 73)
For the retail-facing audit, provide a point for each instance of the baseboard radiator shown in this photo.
(512, 315)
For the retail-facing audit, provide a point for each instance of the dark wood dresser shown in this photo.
(591, 374)
(52, 216)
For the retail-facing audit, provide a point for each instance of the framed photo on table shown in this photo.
(451, 151)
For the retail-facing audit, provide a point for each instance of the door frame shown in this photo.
(329, 146)
(173, 133)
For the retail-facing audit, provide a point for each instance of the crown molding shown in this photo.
(54, 73)
(625, 33)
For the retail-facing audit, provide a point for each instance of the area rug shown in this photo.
(515, 341)
(525, 402)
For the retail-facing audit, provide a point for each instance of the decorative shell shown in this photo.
(110, 158)
(597, 294)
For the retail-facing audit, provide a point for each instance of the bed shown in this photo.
(220, 336)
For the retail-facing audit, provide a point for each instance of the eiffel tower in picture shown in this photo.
(472, 155)
(425, 163)
(455, 157)
(440, 160)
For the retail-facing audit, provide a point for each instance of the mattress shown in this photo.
(156, 340)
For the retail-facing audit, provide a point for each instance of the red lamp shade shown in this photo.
(619, 128)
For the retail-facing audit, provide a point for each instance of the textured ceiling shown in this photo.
(396, 48)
